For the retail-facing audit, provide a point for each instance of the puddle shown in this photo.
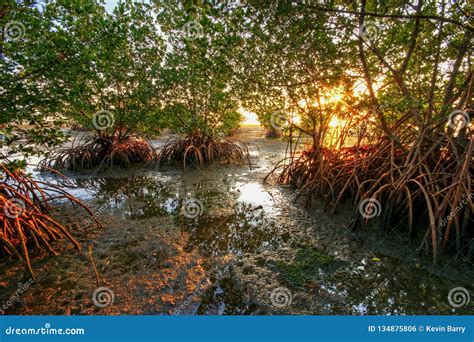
(244, 230)
(256, 194)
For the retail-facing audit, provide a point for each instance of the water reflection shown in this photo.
(138, 197)
(254, 193)
(245, 230)
(226, 298)
(232, 222)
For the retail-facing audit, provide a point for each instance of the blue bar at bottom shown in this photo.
(232, 328)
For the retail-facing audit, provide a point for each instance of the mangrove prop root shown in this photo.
(100, 152)
(24, 218)
(432, 175)
(200, 150)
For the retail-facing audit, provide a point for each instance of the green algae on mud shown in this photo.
(308, 262)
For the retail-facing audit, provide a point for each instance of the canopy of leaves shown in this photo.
(196, 79)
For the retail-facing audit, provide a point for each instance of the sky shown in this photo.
(110, 4)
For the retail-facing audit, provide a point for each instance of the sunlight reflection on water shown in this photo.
(256, 194)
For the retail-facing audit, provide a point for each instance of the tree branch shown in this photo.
(394, 16)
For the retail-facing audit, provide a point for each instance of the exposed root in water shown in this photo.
(199, 150)
(101, 151)
(429, 179)
(273, 133)
(24, 218)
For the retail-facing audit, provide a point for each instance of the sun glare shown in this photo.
(331, 97)
(335, 122)
(336, 98)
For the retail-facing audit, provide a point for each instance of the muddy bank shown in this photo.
(252, 248)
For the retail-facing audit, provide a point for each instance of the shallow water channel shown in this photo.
(218, 240)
